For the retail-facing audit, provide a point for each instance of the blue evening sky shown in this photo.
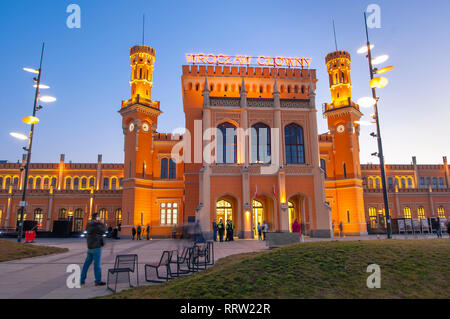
(88, 68)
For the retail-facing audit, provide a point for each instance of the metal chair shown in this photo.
(180, 260)
(210, 248)
(163, 262)
(202, 253)
(124, 264)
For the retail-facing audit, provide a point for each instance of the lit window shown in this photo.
(373, 217)
(168, 213)
(421, 213)
(68, 183)
(62, 214)
(103, 214)
(441, 212)
(118, 214)
(38, 217)
(76, 183)
(84, 183)
(114, 183)
(407, 212)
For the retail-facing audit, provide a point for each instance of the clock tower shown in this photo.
(344, 184)
(139, 121)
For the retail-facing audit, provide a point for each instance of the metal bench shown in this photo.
(163, 262)
(125, 264)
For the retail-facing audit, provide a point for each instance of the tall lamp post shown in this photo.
(32, 120)
(377, 82)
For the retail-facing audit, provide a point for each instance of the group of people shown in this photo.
(114, 233)
(220, 228)
(262, 230)
(139, 232)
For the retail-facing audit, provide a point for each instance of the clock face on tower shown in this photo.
(131, 127)
(145, 127)
(340, 128)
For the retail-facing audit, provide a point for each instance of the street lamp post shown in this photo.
(380, 144)
(30, 144)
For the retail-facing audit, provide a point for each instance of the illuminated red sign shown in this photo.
(243, 60)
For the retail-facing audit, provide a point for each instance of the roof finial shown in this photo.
(206, 88)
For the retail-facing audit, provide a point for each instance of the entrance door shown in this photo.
(224, 211)
(258, 216)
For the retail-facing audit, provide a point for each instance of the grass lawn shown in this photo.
(337, 269)
(11, 250)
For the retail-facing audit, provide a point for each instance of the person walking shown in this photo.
(221, 229)
(95, 230)
(148, 232)
(133, 232)
(138, 231)
(214, 227)
(438, 229)
(259, 231)
(265, 228)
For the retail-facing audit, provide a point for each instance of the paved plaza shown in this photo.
(45, 277)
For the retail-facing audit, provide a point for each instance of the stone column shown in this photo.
(50, 210)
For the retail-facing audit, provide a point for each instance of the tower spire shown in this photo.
(335, 39)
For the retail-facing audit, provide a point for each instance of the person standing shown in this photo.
(133, 232)
(296, 227)
(265, 228)
(221, 229)
(438, 229)
(119, 229)
(95, 231)
(214, 227)
(259, 231)
(138, 231)
(148, 232)
(341, 229)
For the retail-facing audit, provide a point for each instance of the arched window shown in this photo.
(373, 217)
(103, 214)
(76, 183)
(344, 170)
(46, 183)
(68, 183)
(294, 144)
(54, 182)
(323, 166)
(226, 143)
(30, 183)
(410, 183)
(118, 215)
(15, 183)
(114, 183)
(421, 213)
(1, 182)
(62, 213)
(38, 183)
(261, 143)
(289, 89)
(8, 182)
(38, 217)
(78, 213)
(407, 212)
(391, 183)
(121, 182)
(435, 182)
(224, 210)
(403, 183)
(172, 169)
(164, 167)
(106, 183)
(83, 182)
(370, 182)
(78, 220)
(92, 182)
(441, 212)
(377, 183)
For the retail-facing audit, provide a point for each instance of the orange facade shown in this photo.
(251, 153)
